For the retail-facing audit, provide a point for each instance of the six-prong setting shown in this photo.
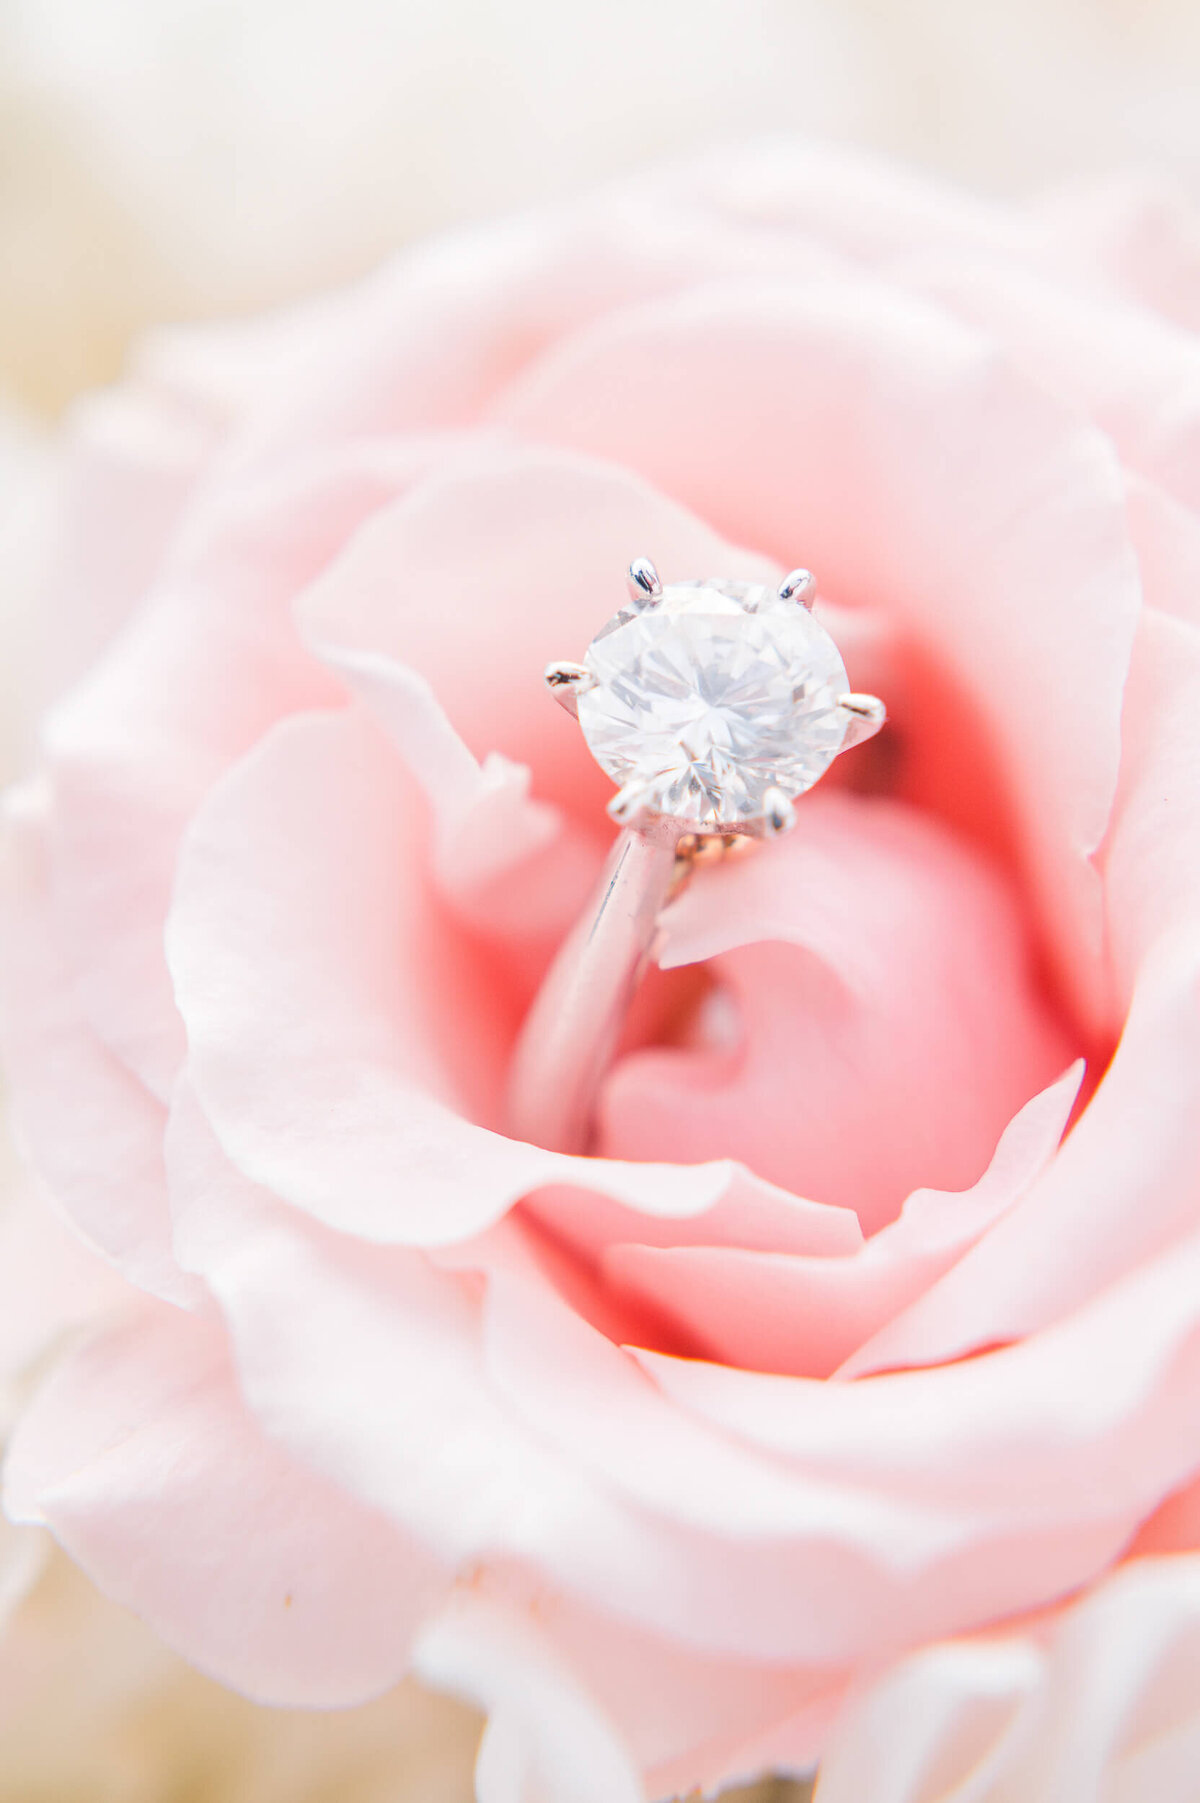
(780, 814)
(713, 704)
(799, 585)
(645, 587)
(865, 714)
(566, 682)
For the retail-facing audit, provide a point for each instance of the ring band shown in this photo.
(713, 705)
(572, 1029)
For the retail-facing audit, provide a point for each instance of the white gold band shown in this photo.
(572, 1029)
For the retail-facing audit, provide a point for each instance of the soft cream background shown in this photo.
(172, 158)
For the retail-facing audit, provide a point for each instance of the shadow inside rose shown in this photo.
(856, 1016)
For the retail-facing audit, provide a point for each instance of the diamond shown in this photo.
(710, 697)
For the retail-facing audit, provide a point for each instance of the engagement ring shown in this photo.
(713, 706)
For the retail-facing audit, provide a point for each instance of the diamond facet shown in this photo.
(714, 695)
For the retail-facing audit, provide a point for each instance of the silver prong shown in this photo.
(644, 584)
(779, 816)
(566, 682)
(865, 714)
(628, 803)
(800, 586)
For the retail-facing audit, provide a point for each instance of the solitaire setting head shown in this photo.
(714, 704)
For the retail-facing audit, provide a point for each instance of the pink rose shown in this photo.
(841, 1348)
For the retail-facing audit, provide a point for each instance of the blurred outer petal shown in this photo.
(51, 1283)
(139, 1455)
(545, 1736)
(800, 1314)
(889, 1023)
(207, 665)
(1132, 372)
(844, 198)
(1136, 234)
(1151, 860)
(132, 463)
(851, 424)
(428, 339)
(1122, 1188)
(101, 1158)
(1167, 537)
(1136, 231)
(1122, 1677)
(1106, 1707)
(939, 1726)
(690, 1721)
(334, 1033)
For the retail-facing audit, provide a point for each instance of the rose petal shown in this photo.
(889, 1023)
(132, 462)
(1087, 1419)
(1167, 537)
(1131, 371)
(545, 1735)
(1151, 860)
(315, 1317)
(802, 1315)
(511, 866)
(946, 1714)
(1111, 1199)
(139, 1455)
(1174, 1526)
(574, 1699)
(886, 1480)
(741, 1551)
(101, 1159)
(750, 1214)
(208, 664)
(427, 339)
(911, 1523)
(51, 1283)
(844, 198)
(689, 1722)
(1134, 231)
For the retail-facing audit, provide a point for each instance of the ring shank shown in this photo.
(572, 1029)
